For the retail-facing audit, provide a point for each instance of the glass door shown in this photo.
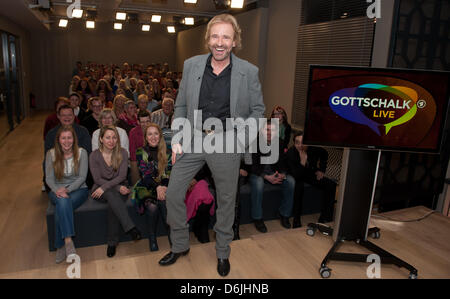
(11, 98)
(4, 89)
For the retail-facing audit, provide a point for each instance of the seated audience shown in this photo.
(128, 119)
(107, 118)
(52, 120)
(128, 93)
(75, 100)
(136, 140)
(66, 117)
(74, 84)
(66, 167)
(142, 103)
(103, 85)
(285, 127)
(109, 166)
(309, 164)
(163, 116)
(149, 193)
(118, 106)
(91, 122)
(140, 89)
(275, 174)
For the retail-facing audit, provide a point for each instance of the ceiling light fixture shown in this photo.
(77, 13)
(156, 18)
(145, 27)
(237, 3)
(121, 16)
(190, 1)
(90, 24)
(171, 29)
(189, 21)
(63, 23)
(118, 26)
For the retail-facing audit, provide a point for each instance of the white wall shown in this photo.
(278, 88)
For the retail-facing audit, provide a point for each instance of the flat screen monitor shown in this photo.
(373, 108)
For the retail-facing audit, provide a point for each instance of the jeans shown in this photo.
(257, 186)
(64, 208)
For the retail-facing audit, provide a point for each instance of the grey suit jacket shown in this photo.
(246, 100)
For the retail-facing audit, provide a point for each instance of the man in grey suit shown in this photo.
(221, 86)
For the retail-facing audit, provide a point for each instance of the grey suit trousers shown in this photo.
(225, 172)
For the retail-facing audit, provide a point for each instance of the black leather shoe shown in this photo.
(223, 267)
(285, 222)
(171, 258)
(135, 234)
(111, 251)
(297, 223)
(260, 226)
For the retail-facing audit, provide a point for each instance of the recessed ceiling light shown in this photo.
(118, 26)
(237, 3)
(90, 24)
(63, 23)
(190, 1)
(171, 29)
(121, 16)
(77, 13)
(189, 21)
(145, 27)
(156, 18)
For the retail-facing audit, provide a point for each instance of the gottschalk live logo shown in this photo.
(381, 107)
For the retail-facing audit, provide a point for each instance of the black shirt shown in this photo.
(214, 99)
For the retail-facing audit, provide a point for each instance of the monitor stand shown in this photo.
(354, 206)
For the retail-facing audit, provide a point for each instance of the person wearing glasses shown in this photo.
(91, 122)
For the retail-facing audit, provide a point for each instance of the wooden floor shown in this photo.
(280, 253)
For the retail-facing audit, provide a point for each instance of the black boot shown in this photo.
(297, 222)
(153, 244)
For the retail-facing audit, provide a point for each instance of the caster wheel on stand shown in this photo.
(325, 272)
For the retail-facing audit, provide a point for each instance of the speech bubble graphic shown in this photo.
(398, 104)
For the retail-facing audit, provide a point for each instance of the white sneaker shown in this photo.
(70, 250)
(60, 255)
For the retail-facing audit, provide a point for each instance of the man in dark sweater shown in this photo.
(309, 164)
(275, 174)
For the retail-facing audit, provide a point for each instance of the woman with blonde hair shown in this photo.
(118, 105)
(66, 167)
(140, 89)
(149, 193)
(108, 118)
(109, 167)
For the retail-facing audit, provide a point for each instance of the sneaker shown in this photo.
(260, 226)
(70, 250)
(60, 255)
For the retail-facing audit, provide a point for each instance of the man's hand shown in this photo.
(176, 149)
(242, 172)
(274, 179)
(192, 184)
(319, 175)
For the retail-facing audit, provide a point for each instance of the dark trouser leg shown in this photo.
(201, 223)
(329, 188)
(237, 209)
(298, 198)
(117, 215)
